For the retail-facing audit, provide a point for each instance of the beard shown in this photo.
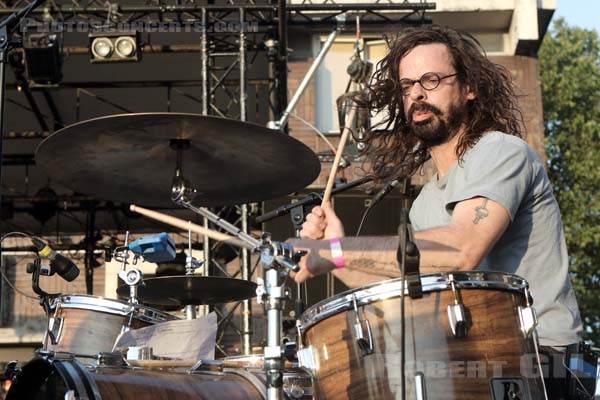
(436, 129)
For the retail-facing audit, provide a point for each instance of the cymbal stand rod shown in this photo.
(221, 223)
(278, 259)
(132, 277)
(190, 309)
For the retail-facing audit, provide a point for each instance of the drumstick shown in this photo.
(186, 225)
(338, 155)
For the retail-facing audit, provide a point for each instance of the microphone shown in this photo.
(58, 263)
(388, 187)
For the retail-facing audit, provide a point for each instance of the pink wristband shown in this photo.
(337, 255)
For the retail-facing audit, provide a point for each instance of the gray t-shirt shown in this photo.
(505, 169)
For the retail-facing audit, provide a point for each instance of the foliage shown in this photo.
(570, 74)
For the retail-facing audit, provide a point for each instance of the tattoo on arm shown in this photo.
(374, 267)
(481, 212)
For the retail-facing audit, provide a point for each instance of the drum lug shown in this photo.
(420, 392)
(307, 359)
(365, 342)
(457, 319)
(110, 359)
(456, 312)
(55, 327)
(261, 293)
(70, 395)
(207, 365)
(528, 320)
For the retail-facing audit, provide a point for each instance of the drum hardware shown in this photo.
(191, 264)
(365, 342)
(408, 258)
(110, 359)
(456, 312)
(139, 353)
(132, 277)
(420, 391)
(527, 316)
(277, 259)
(207, 365)
(54, 331)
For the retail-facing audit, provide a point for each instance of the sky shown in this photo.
(580, 13)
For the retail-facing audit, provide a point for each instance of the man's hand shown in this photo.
(322, 223)
(312, 264)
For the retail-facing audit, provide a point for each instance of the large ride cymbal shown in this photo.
(129, 158)
(184, 290)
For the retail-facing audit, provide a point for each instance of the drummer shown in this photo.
(489, 207)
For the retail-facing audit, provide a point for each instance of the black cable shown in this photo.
(362, 220)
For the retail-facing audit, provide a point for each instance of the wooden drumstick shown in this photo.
(186, 225)
(338, 155)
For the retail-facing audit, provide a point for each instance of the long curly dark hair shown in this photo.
(393, 149)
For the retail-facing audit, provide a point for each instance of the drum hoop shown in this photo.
(391, 288)
(250, 377)
(111, 306)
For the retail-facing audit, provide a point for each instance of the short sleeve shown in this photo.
(498, 170)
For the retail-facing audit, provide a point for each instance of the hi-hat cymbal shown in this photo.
(184, 290)
(129, 158)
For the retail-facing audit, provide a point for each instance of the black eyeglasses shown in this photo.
(428, 81)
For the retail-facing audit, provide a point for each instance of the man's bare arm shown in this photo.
(475, 227)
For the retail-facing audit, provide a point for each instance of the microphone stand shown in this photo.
(297, 208)
(408, 260)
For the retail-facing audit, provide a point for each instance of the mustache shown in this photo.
(422, 106)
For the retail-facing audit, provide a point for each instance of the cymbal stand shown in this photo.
(131, 277)
(278, 259)
(191, 263)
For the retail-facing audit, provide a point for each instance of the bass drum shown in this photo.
(51, 379)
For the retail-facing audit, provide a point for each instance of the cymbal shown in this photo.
(184, 290)
(128, 158)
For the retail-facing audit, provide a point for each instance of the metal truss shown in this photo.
(301, 12)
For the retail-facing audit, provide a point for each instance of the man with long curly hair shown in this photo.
(489, 207)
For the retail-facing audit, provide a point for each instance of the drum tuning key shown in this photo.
(456, 312)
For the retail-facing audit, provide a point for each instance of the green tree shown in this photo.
(570, 74)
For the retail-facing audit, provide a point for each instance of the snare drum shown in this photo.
(87, 325)
(469, 337)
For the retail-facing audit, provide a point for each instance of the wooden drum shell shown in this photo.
(453, 368)
(87, 325)
(44, 379)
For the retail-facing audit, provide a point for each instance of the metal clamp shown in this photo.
(456, 312)
(364, 341)
(55, 328)
(527, 316)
